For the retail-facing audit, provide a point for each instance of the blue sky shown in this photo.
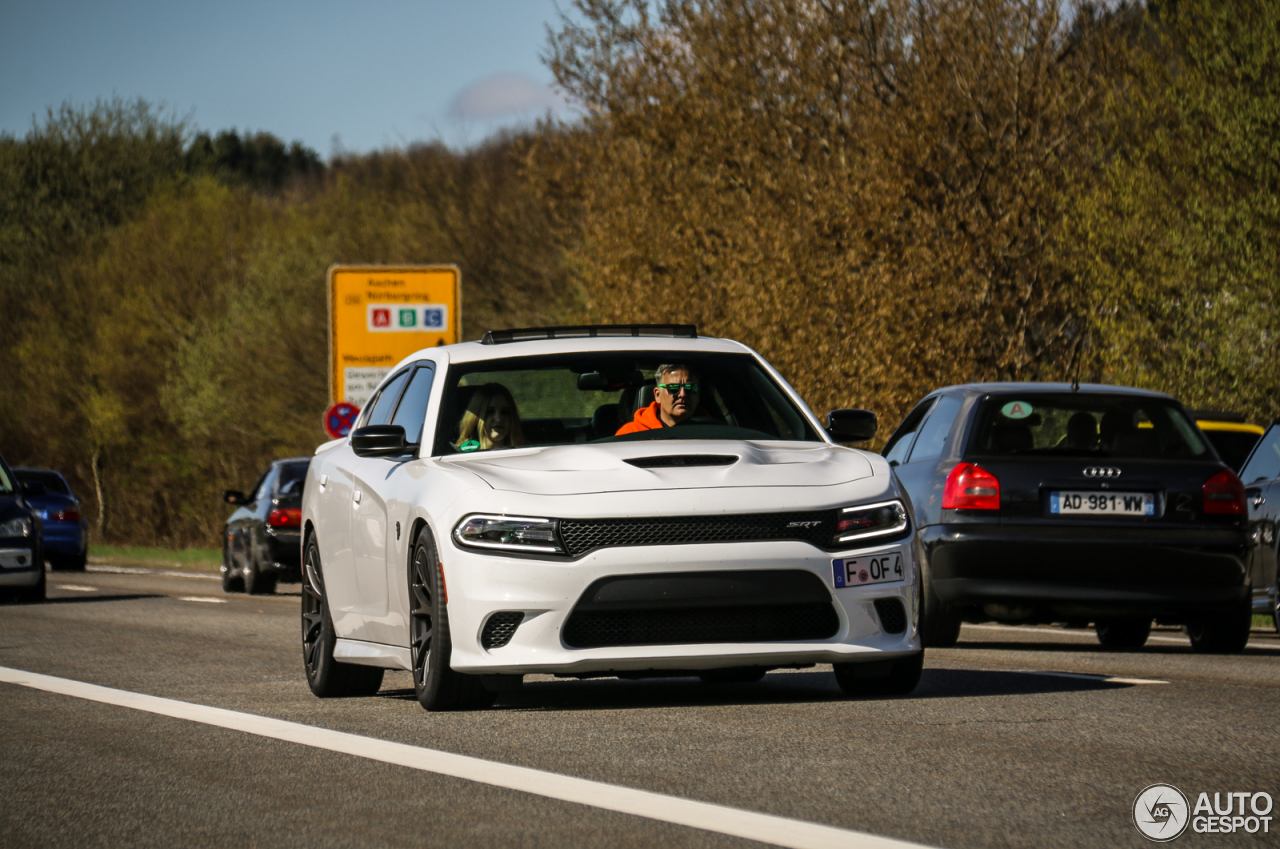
(355, 76)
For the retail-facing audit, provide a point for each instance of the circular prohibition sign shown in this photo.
(340, 418)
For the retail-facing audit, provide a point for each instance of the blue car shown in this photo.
(66, 531)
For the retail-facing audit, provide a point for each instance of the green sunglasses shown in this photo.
(674, 388)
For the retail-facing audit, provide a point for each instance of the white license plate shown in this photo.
(868, 569)
(1102, 503)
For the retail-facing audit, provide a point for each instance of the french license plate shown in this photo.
(1102, 503)
(868, 569)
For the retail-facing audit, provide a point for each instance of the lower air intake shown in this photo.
(893, 616)
(500, 628)
(702, 607)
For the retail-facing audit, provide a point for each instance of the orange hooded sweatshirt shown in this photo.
(646, 419)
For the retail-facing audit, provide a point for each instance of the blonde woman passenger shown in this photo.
(490, 421)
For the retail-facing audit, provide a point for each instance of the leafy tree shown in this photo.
(870, 191)
(1180, 242)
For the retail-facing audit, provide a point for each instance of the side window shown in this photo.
(899, 445)
(413, 405)
(261, 488)
(385, 403)
(1264, 463)
(933, 435)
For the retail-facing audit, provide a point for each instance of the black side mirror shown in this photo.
(34, 488)
(851, 425)
(233, 496)
(379, 441)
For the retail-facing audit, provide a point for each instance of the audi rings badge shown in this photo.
(1101, 472)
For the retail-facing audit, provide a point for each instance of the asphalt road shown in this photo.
(1018, 737)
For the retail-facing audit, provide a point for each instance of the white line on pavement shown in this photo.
(765, 828)
(75, 588)
(205, 599)
(1083, 635)
(1107, 679)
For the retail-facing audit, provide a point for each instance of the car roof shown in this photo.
(470, 352)
(20, 469)
(1034, 387)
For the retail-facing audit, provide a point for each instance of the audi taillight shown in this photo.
(971, 487)
(285, 517)
(1224, 494)
(70, 514)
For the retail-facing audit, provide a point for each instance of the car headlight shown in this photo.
(16, 528)
(509, 533)
(863, 521)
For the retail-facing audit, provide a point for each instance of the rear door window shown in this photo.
(899, 445)
(412, 411)
(933, 436)
(1086, 425)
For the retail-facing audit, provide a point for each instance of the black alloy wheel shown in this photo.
(881, 678)
(1225, 633)
(232, 580)
(327, 677)
(437, 686)
(1123, 632)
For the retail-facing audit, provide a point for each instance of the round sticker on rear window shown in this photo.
(1016, 410)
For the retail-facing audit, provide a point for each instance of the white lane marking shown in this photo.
(75, 588)
(1108, 679)
(130, 570)
(764, 828)
(1083, 636)
(205, 599)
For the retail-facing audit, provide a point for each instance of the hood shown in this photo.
(637, 466)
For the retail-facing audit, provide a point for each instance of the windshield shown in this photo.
(579, 398)
(6, 485)
(1078, 424)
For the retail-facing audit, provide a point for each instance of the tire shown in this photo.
(733, 675)
(232, 580)
(437, 686)
(1275, 614)
(256, 581)
(939, 627)
(1226, 633)
(327, 677)
(881, 678)
(1123, 633)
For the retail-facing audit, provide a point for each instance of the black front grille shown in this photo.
(742, 624)
(500, 628)
(583, 535)
(893, 617)
(681, 608)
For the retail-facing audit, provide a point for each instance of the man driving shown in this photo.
(675, 400)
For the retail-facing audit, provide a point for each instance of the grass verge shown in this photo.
(1263, 621)
(195, 559)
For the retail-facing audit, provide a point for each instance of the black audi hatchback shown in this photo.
(1047, 502)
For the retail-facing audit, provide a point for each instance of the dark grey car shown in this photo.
(262, 544)
(1261, 476)
(1041, 502)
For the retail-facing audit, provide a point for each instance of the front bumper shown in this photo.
(1089, 571)
(20, 567)
(545, 592)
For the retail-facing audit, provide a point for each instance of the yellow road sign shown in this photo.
(379, 314)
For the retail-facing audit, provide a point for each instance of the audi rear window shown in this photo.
(1079, 424)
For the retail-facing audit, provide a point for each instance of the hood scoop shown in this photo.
(671, 461)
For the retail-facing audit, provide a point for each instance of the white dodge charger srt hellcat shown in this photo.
(614, 500)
